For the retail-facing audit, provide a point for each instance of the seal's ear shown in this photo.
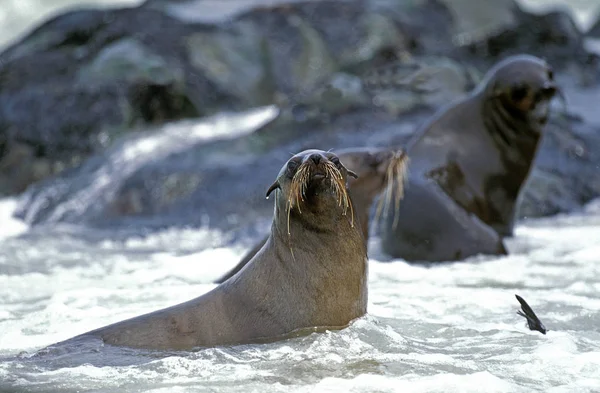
(273, 187)
(350, 173)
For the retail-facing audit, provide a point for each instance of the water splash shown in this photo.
(100, 178)
(10, 226)
(450, 328)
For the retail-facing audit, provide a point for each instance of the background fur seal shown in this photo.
(311, 273)
(468, 164)
(374, 167)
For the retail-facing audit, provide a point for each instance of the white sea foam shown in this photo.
(450, 328)
(9, 225)
(137, 151)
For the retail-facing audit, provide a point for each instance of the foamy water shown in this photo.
(101, 176)
(10, 226)
(450, 328)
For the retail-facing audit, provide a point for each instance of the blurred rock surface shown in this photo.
(85, 85)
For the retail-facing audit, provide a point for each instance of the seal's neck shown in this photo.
(319, 264)
(516, 136)
(327, 220)
(362, 201)
(318, 228)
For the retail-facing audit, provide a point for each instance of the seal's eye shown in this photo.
(550, 74)
(292, 165)
(335, 161)
(519, 92)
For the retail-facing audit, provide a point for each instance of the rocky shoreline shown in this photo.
(88, 84)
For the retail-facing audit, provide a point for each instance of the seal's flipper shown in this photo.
(533, 321)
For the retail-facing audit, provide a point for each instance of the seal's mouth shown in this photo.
(535, 103)
(312, 176)
(542, 100)
(322, 174)
(318, 176)
(541, 112)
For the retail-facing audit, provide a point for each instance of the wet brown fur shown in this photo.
(324, 286)
(468, 165)
(378, 169)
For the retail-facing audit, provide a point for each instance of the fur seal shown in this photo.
(311, 274)
(375, 167)
(468, 164)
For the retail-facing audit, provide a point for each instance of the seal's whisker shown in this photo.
(289, 209)
(339, 188)
(565, 114)
(380, 205)
(394, 189)
(295, 194)
(389, 189)
(401, 170)
(298, 187)
(385, 198)
(563, 99)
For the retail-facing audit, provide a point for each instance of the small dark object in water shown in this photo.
(533, 321)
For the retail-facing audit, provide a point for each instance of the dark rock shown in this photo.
(107, 185)
(101, 85)
(553, 35)
(83, 78)
(19, 168)
(425, 81)
(221, 181)
(594, 30)
(567, 171)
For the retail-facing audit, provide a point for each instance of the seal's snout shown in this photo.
(317, 162)
(548, 91)
(316, 158)
(541, 104)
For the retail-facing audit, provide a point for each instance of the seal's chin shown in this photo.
(540, 113)
(317, 183)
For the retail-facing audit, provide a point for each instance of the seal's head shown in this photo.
(378, 169)
(523, 86)
(370, 164)
(313, 181)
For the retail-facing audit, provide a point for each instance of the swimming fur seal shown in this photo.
(375, 167)
(310, 274)
(468, 164)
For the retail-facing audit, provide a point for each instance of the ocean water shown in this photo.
(448, 328)
(18, 17)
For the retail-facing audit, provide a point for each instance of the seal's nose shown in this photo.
(316, 158)
(549, 90)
